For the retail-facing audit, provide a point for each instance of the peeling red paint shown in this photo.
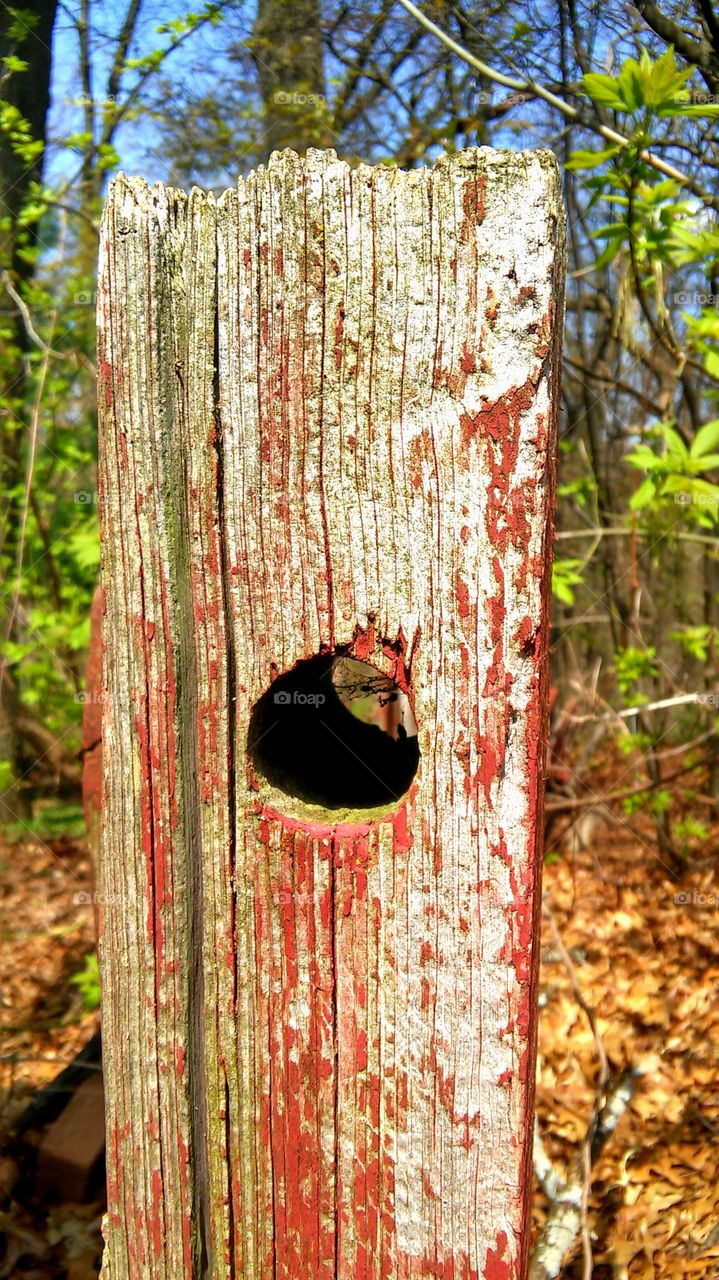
(495, 1267)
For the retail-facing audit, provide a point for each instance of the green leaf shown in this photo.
(706, 110)
(674, 442)
(564, 578)
(708, 463)
(590, 159)
(611, 250)
(643, 496)
(13, 63)
(629, 85)
(603, 89)
(644, 459)
(705, 440)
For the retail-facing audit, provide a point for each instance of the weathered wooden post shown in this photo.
(328, 409)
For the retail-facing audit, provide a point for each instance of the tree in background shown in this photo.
(25, 62)
(49, 552)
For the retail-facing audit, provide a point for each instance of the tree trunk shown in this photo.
(287, 50)
(328, 419)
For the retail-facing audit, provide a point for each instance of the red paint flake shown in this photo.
(526, 632)
(106, 381)
(156, 1224)
(464, 658)
(500, 850)
(473, 205)
(397, 651)
(320, 830)
(462, 752)
(402, 1091)
(402, 839)
(326, 909)
(468, 362)
(489, 769)
(247, 257)
(364, 642)
(361, 1051)
(495, 1268)
(462, 590)
(525, 1011)
(418, 451)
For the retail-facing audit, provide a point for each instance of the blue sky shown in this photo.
(201, 62)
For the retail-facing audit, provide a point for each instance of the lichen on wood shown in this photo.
(328, 408)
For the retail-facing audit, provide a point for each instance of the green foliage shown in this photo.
(632, 743)
(582, 489)
(660, 801)
(17, 129)
(566, 576)
(657, 86)
(688, 831)
(21, 23)
(659, 226)
(697, 642)
(677, 472)
(49, 821)
(87, 982)
(634, 804)
(632, 665)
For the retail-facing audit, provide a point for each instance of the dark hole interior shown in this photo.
(336, 732)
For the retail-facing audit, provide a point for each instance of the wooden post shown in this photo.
(328, 419)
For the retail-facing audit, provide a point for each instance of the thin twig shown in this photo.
(531, 86)
(30, 330)
(589, 802)
(681, 699)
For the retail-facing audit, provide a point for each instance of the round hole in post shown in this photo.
(333, 733)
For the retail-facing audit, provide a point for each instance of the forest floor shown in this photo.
(623, 945)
